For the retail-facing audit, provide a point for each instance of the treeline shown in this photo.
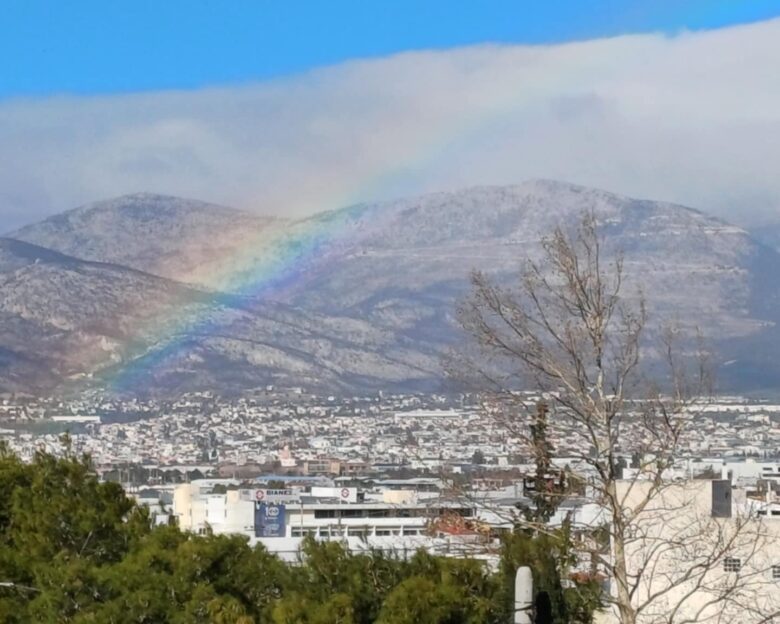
(74, 549)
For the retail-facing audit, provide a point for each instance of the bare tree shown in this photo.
(570, 331)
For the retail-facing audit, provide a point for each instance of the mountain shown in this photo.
(62, 317)
(412, 259)
(166, 236)
(66, 323)
(364, 297)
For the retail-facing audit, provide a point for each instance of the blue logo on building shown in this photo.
(269, 520)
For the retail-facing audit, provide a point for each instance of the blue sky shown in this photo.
(106, 46)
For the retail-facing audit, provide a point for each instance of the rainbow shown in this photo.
(268, 265)
(284, 260)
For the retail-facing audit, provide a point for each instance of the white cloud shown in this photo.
(694, 118)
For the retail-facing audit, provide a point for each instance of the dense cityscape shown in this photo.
(389, 312)
(293, 430)
(421, 452)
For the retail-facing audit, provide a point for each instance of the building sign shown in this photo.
(343, 494)
(269, 520)
(348, 495)
(267, 495)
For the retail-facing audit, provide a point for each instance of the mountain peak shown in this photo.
(145, 201)
(144, 196)
(159, 234)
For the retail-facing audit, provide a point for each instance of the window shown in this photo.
(776, 572)
(732, 564)
(411, 532)
(384, 532)
(299, 532)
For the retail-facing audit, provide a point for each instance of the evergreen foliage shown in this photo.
(77, 550)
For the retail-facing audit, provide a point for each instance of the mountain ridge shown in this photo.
(159, 234)
(371, 302)
(68, 324)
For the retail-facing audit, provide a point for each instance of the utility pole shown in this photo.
(524, 595)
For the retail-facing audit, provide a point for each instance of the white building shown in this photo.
(393, 522)
(700, 551)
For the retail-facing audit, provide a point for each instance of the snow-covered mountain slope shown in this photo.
(167, 236)
(371, 302)
(67, 323)
(70, 316)
(412, 257)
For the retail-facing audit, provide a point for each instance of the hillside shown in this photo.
(369, 291)
(410, 263)
(67, 324)
(167, 236)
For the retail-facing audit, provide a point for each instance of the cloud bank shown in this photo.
(693, 119)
